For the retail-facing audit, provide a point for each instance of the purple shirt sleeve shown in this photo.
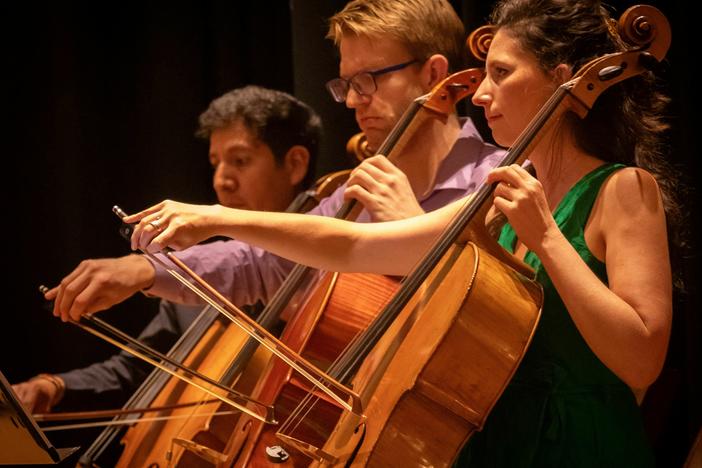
(243, 273)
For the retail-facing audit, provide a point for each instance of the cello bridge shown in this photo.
(308, 449)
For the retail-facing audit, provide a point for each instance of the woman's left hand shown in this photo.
(173, 224)
(521, 198)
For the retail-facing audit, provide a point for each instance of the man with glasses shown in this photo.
(392, 51)
(363, 82)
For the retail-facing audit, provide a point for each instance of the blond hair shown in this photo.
(425, 27)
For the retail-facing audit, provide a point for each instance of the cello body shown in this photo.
(339, 308)
(420, 405)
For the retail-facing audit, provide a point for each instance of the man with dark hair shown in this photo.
(262, 145)
(275, 118)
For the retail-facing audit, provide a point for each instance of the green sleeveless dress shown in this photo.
(563, 408)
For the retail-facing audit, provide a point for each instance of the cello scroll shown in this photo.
(479, 41)
(357, 147)
(648, 31)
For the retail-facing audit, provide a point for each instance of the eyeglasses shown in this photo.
(363, 83)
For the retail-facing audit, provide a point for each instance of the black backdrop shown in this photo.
(102, 110)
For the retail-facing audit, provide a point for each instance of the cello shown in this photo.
(160, 390)
(466, 298)
(343, 304)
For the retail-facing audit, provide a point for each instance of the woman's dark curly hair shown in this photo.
(626, 123)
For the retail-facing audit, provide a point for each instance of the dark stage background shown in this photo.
(102, 109)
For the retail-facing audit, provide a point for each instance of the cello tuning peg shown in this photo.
(649, 62)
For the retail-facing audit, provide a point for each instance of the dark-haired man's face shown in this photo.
(246, 174)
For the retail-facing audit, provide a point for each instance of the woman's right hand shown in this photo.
(176, 225)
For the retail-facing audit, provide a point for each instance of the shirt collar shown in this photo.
(468, 152)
